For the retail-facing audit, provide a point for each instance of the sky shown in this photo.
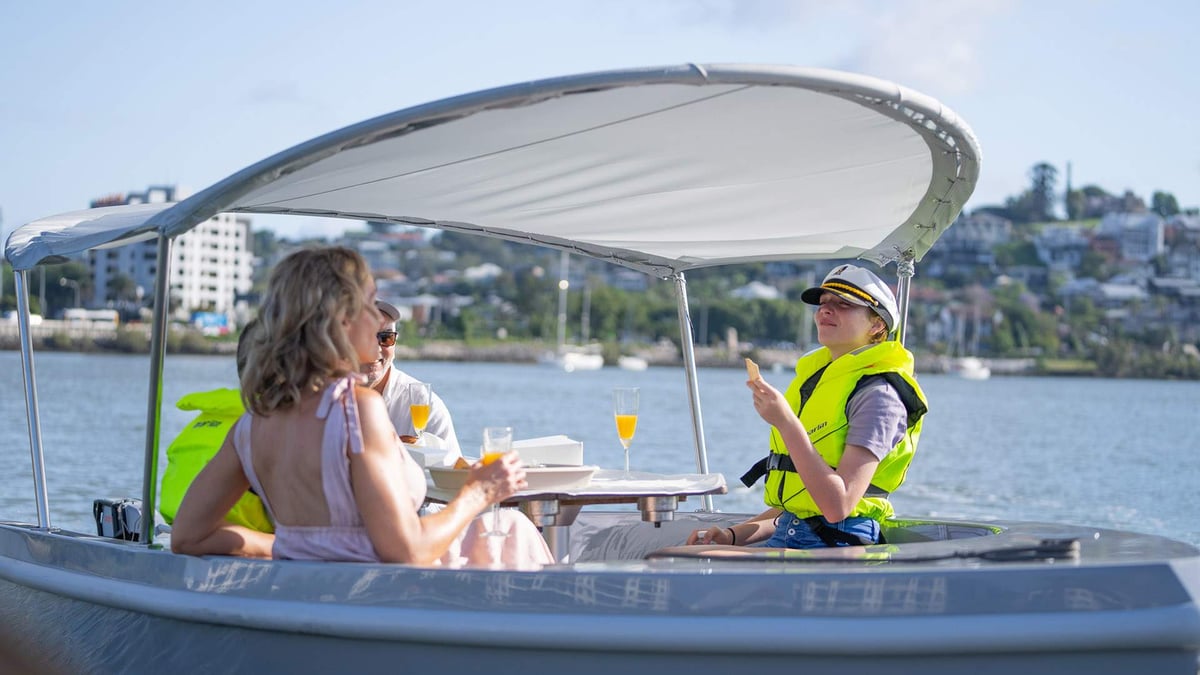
(112, 97)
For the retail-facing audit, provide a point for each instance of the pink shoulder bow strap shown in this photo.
(341, 407)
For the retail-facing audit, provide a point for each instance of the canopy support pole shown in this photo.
(905, 271)
(158, 343)
(36, 455)
(686, 340)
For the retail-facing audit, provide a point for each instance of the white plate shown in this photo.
(541, 479)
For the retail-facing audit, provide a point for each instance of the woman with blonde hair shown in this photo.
(844, 432)
(320, 449)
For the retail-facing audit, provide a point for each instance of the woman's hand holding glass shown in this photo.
(503, 467)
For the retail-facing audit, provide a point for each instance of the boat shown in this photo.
(569, 358)
(971, 368)
(633, 363)
(566, 357)
(572, 359)
(663, 170)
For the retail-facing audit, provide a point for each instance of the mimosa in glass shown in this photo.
(496, 442)
(625, 409)
(420, 397)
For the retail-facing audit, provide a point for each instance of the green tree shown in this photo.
(1093, 265)
(1023, 329)
(121, 288)
(1164, 204)
(1037, 203)
(8, 295)
(1016, 252)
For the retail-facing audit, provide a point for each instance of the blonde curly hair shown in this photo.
(300, 343)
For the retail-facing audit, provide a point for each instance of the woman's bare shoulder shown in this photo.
(376, 423)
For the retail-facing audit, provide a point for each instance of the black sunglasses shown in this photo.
(387, 338)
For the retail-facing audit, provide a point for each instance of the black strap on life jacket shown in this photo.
(831, 536)
(913, 404)
(778, 462)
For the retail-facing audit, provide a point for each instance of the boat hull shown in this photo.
(573, 361)
(107, 606)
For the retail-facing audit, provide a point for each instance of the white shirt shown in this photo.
(395, 396)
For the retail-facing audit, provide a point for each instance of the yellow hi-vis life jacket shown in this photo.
(196, 445)
(827, 386)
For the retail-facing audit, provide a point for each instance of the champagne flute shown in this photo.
(496, 442)
(420, 396)
(625, 409)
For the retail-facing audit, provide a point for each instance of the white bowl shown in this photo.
(540, 479)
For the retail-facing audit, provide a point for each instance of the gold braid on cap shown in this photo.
(853, 290)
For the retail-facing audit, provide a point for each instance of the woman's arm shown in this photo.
(386, 505)
(200, 527)
(836, 492)
(752, 531)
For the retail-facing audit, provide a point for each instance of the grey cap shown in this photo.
(389, 310)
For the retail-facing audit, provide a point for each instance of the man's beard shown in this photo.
(374, 371)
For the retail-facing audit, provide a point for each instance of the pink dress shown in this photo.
(345, 538)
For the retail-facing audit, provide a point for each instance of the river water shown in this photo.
(1104, 453)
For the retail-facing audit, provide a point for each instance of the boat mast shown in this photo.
(563, 284)
(686, 339)
(585, 321)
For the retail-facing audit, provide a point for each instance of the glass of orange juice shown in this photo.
(496, 442)
(625, 409)
(420, 398)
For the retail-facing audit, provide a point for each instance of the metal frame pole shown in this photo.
(158, 345)
(689, 361)
(905, 271)
(36, 455)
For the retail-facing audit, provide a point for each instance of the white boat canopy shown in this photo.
(658, 169)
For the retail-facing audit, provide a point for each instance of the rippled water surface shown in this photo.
(1106, 453)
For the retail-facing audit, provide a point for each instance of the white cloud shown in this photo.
(933, 46)
(930, 45)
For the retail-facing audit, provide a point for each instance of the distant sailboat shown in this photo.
(570, 358)
(632, 363)
(970, 367)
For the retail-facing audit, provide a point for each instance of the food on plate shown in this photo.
(752, 370)
(405, 438)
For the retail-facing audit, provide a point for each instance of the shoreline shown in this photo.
(52, 336)
(660, 355)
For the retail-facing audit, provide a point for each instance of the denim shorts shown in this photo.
(791, 531)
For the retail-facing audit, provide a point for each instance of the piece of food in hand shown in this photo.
(405, 438)
(752, 370)
(461, 463)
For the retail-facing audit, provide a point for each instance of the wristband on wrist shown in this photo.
(732, 536)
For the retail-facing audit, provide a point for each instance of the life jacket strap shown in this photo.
(831, 536)
(780, 462)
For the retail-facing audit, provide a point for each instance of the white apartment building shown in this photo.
(1140, 235)
(212, 262)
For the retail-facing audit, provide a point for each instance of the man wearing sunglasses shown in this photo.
(383, 376)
